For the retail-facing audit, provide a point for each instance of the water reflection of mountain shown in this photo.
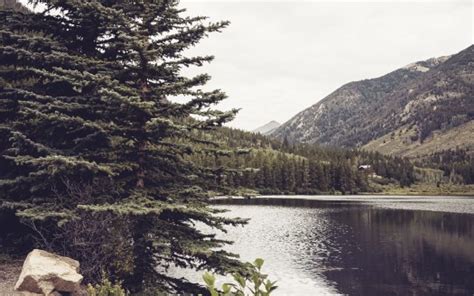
(396, 252)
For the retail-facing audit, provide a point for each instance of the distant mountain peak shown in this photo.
(267, 128)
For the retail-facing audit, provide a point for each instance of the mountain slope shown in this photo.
(420, 101)
(267, 128)
(460, 137)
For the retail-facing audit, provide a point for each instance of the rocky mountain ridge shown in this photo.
(411, 105)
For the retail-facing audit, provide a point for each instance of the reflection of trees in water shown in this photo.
(397, 252)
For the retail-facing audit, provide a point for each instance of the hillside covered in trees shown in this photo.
(420, 109)
(457, 165)
(270, 166)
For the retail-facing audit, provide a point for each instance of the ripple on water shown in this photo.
(287, 238)
(359, 245)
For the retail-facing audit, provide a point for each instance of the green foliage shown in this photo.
(250, 280)
(93, 146)
(106, 288)
(273, 167)
(457, 165)
(394, 168)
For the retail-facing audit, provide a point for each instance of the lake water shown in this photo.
(327, 245)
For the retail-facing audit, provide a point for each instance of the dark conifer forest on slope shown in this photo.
(281, 167)
(270, 166)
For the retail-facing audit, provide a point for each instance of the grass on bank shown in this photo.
(428, 189)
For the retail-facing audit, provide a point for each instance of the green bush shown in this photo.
(106, 288)
(252, 280)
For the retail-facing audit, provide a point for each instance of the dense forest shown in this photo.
(457, 165)
(278, 167)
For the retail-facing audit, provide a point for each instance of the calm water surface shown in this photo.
(359, 245)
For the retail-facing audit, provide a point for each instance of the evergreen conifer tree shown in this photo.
(90, 132)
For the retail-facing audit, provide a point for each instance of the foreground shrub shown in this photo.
(251, 280)
(106, 288)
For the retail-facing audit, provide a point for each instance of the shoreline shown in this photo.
(454, 204)
(419, 189)
(335, 197)
(345, 196)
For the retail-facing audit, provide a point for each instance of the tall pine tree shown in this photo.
(90, 132)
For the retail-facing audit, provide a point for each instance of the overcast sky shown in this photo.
(278, 58)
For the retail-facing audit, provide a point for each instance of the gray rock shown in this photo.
(45, 273)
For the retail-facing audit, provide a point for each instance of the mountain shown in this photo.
(422, 108)
(267, 128)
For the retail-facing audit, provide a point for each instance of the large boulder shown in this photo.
(45, 273)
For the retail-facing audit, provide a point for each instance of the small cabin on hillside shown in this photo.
(368, 170)
(365, 167)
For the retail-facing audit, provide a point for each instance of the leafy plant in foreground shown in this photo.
(251, 280)
(106, 288)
